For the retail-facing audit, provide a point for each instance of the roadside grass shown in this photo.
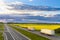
(57, 34)
(1, 27)
(1, 31)
(1, 36)
(29, 34)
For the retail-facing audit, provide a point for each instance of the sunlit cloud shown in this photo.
(17, 3)
(30, 0)
(4, 9)
(34, 12)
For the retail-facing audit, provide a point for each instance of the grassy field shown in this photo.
(1, 31)
(40, 26)
(29, 34)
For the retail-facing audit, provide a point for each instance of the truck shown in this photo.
(47, 31)
(31, 28)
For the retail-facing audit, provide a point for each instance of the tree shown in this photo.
(57, 30)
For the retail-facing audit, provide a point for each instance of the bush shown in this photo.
(57, 30)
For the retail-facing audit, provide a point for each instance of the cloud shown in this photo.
(17, 3)
(33, 12)
(4, 9)
(45, 13)
(30, 18)
(2, 20)
(30, 0)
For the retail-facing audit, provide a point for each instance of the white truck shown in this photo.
(48, 31)
(31, 28)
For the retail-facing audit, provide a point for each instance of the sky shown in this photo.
(52, 3)
(4, 5)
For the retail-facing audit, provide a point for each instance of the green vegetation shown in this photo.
(57, 31)
(1, 27)
(29, 34)
(1, 36)
(1, 31)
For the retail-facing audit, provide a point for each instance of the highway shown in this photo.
(53, 37)
(11, 34)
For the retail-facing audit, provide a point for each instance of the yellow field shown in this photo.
(40, 26)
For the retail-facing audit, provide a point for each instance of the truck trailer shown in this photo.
(47, 31)
(31, 28)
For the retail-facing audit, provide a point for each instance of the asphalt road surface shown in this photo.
(11, 34)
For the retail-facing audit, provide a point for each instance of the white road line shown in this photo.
(16, 35)
(5, 36)
(9, 32)
(18, 32)
(23, 35)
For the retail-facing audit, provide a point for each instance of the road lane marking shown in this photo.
(16, 31)
(22, 34)
(5, 36)
(16, 36)
(9, 32)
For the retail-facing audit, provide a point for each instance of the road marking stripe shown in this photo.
(16, 35)
(16, 31)
(5, 36)
(9, 32)
(22, 35)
